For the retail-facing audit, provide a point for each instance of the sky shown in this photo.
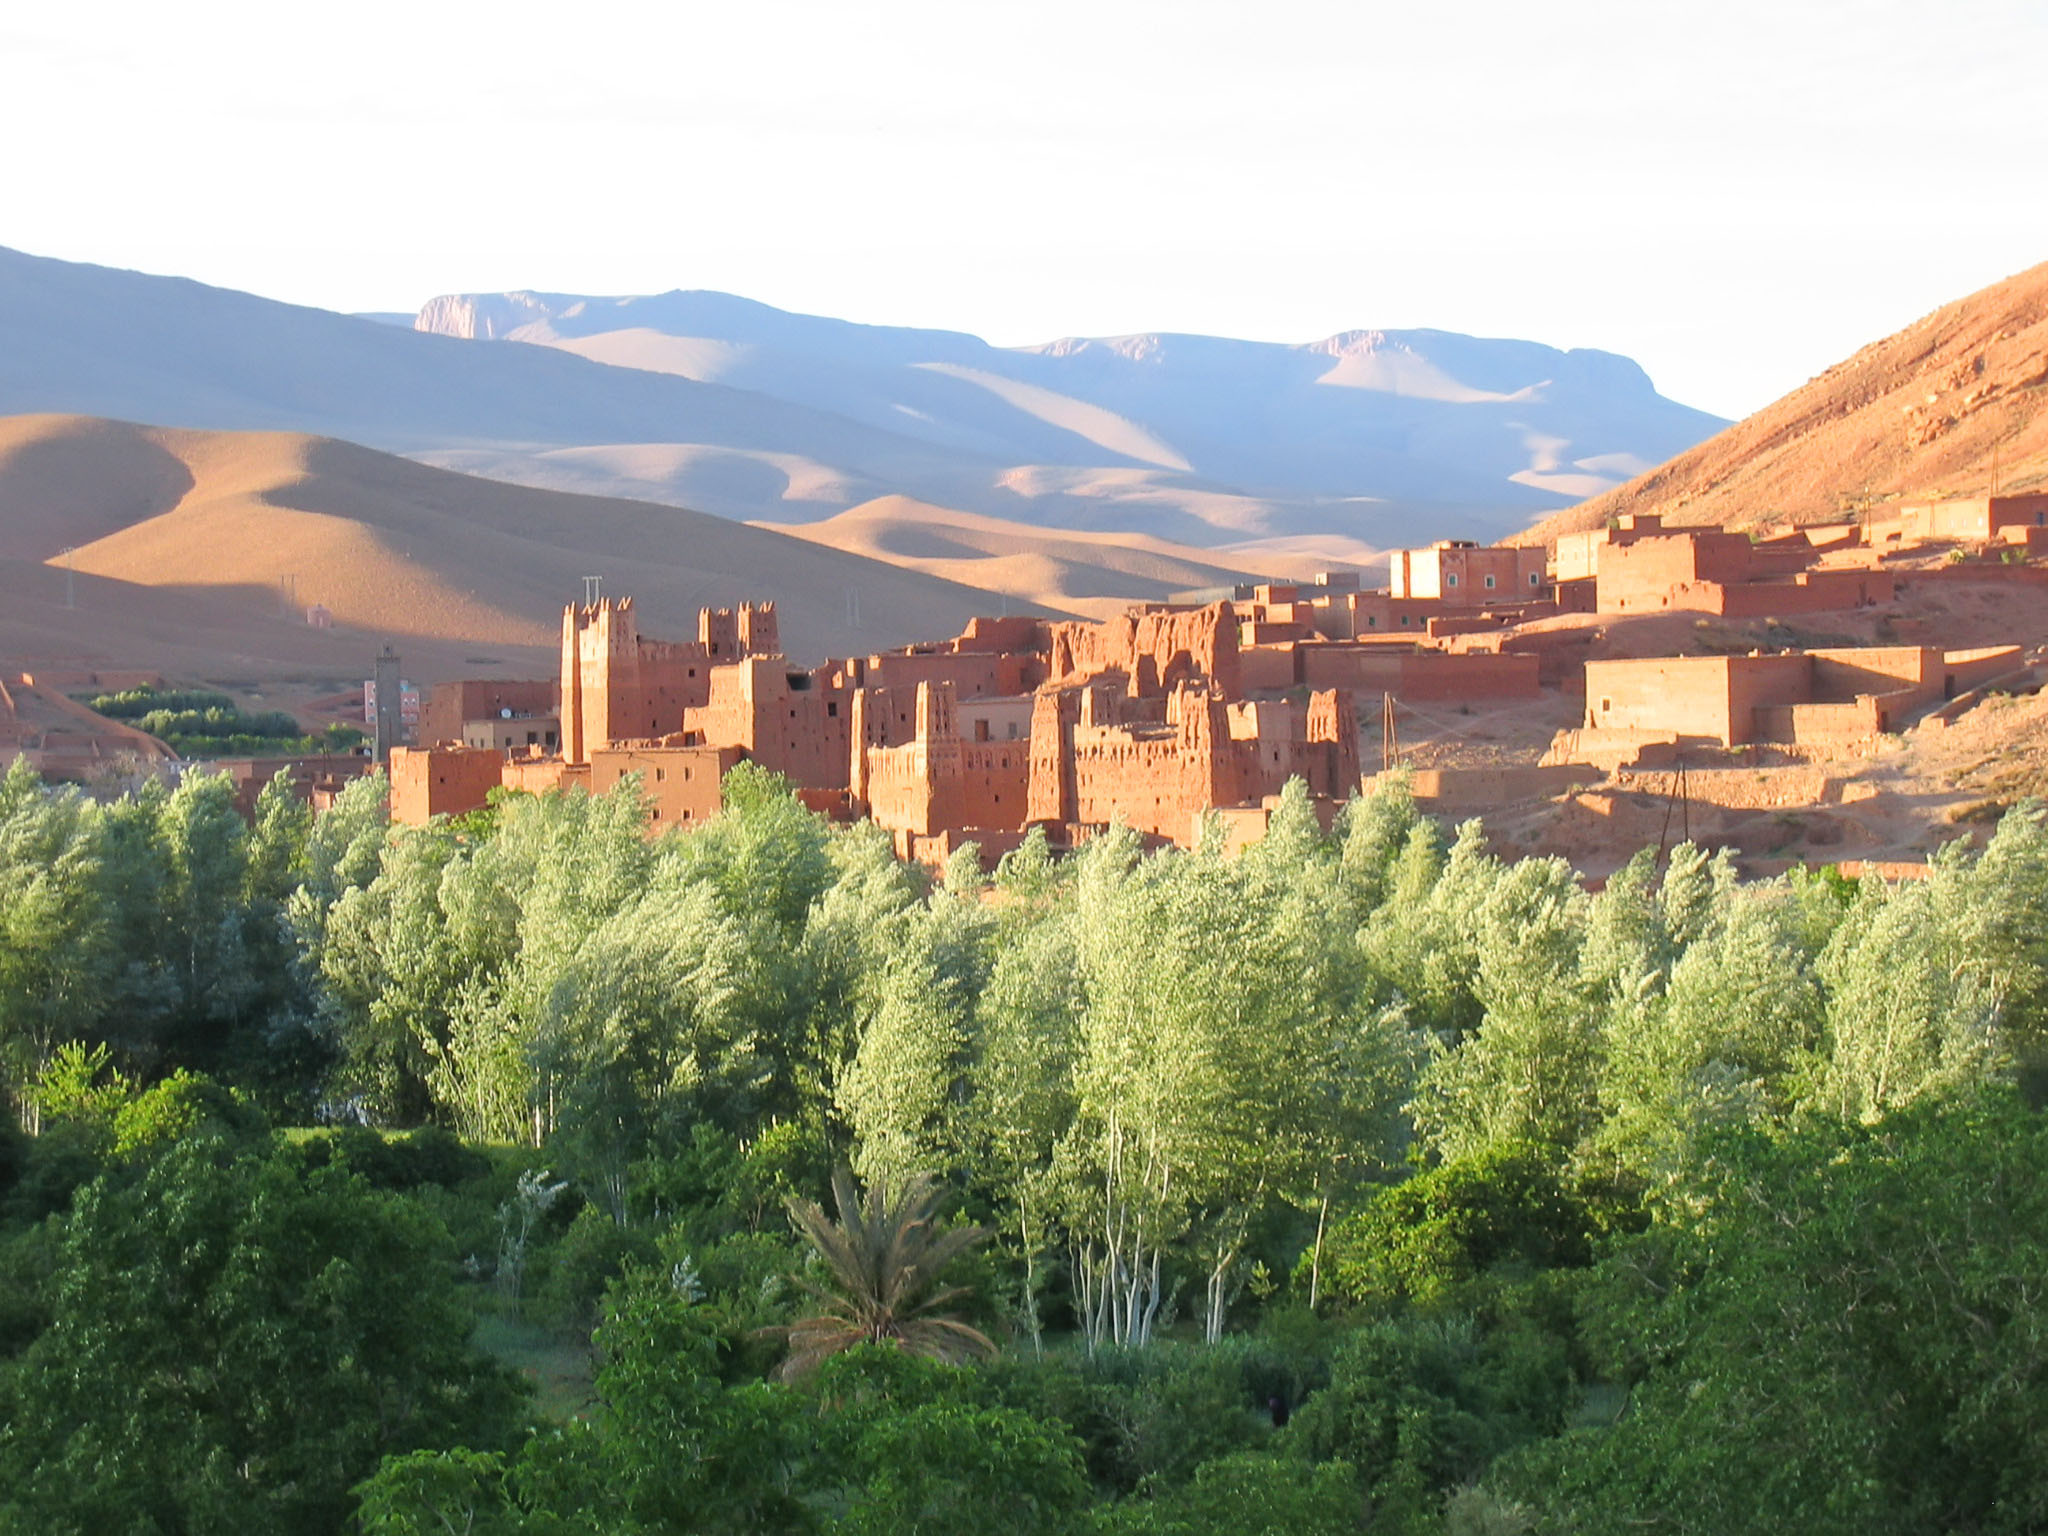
(1736, 194)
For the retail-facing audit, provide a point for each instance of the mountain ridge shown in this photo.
(728, 406)
(1274, 419)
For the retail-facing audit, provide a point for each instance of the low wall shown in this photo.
(1738, 789)
(1612, 750)
(1810, 592)
(1267, 668)
(1438, 675)
(1866, 715)
(1974, 573)
(1477, 789)
(1965, 670)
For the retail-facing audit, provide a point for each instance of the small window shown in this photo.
(1606, 705)
(1372, 621)
(1532, 578)
(693, 671)
(660, 775)
(1451, 580)
(686, 775)
(1489, 583)
(832, 708)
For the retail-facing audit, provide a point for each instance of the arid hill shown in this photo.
(1097, 574)
(244, 528)
(1939, 409)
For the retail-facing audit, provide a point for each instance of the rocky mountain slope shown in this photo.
(1950, 405)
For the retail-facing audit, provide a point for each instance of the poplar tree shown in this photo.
(56, 960)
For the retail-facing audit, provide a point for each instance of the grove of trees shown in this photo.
(1363, 1181)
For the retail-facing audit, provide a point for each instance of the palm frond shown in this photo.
(885, 1260)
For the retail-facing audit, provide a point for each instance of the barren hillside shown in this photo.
(1098, 574)
(1940, 408)
(251, 524)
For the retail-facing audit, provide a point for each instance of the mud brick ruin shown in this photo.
(1171, 713)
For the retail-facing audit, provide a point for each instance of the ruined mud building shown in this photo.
(1014, 723)
(1170, 712)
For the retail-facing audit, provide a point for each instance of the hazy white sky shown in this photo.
(1734, 193)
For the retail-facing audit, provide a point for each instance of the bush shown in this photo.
(15, 1150)
(1420, 1406)
(1249, 1495)
(1173, 1407)
(28, 1262)
(1423, 1242)
(593, 1253)
(183, 1104)
(401, 1161)
(60, 1162)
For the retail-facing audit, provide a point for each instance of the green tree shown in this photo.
(1529, 1073)
(57, 961)
(1913, 1008)
(1733, 1038)
(1023, 1093)
(1832, 1330)
(901, 1093)
(234, 1344)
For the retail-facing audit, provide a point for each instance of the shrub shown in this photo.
(1424, 1241)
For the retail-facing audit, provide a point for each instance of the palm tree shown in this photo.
(885, 1259)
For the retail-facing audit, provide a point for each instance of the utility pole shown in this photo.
(1678, 799)
(1390, 739)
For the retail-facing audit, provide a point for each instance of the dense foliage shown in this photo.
(208, 725)
(1363, 1181)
